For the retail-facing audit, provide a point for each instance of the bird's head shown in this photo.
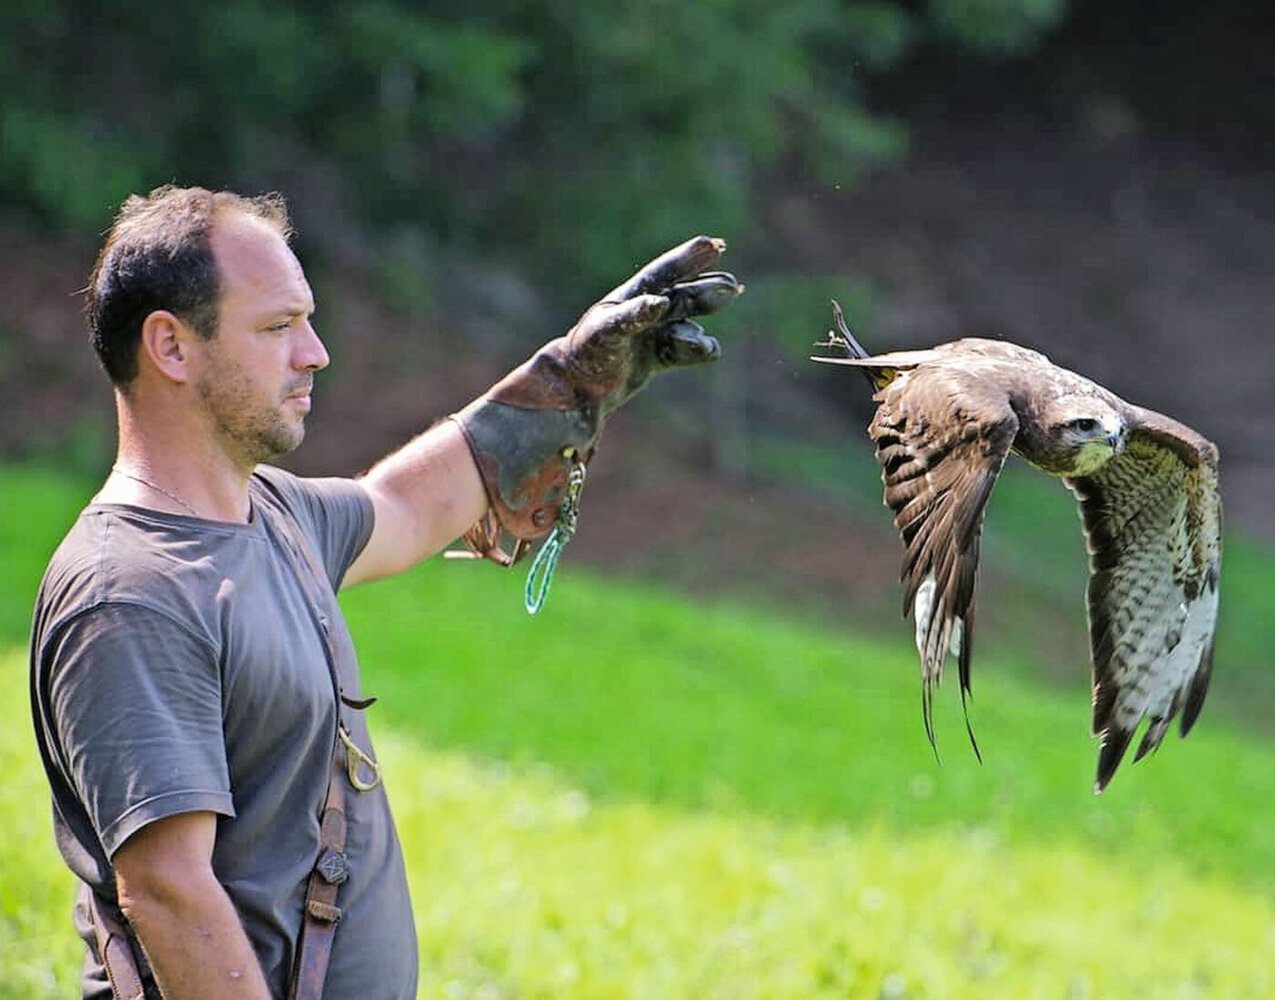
(1085, 433)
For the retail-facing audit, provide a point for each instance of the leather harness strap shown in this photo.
(116, 952)
(318, 926)
(331, 867)
(314, 945)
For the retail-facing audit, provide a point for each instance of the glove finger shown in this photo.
(603, 343)
(705, 295)
(685, 261)
(621, 319)
(678, 345)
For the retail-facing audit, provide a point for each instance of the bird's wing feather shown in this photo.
(942, 434)
(1152, 519)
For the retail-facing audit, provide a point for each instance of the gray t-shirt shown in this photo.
(177, 665)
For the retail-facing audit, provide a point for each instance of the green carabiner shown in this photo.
(540, 576)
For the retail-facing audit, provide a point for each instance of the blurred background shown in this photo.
(1091, 179)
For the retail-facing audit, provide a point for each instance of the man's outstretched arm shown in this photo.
(424, 495)
(504, 462)
(186, 923)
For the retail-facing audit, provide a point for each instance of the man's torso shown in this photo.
(180, 665)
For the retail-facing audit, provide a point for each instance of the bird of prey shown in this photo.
(946, 420)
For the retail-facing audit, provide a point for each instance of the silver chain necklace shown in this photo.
(158, 489)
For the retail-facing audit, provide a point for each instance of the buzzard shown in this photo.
(946, 420)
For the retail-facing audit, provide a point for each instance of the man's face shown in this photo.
(256, 374)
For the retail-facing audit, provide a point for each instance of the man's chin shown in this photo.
(285, 441)
(294, 441)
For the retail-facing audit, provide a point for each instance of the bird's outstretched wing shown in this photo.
(942, 434)
(1152, 519)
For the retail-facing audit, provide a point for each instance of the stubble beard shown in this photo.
(251, 429)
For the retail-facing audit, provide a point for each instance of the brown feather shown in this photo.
(938, 475)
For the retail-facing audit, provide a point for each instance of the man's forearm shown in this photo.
(196, 944)
(425, 494)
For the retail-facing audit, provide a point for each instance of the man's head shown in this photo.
(159, 256)
(252, 380)
(200, 312)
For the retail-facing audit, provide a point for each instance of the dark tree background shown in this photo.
(1086, 177)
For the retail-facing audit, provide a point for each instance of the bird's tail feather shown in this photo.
(842, 337)
(881, 370)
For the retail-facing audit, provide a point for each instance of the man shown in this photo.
(194, 687)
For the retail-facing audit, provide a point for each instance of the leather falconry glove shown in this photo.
(533, 427)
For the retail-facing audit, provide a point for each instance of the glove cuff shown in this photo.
(528, 431)
(525, 435)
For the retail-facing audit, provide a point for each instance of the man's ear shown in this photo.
(166, 345)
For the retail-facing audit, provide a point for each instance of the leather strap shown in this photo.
(331, 868)
(318, 926)
(116, 952)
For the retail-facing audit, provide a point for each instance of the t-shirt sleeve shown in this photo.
(337, 513)
(136, 707)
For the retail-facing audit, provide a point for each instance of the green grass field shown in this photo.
(642, 795)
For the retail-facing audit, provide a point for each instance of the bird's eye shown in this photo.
(1085, 424)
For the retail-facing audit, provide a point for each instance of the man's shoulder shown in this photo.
(120, 555)
(334, 511)
(106, 544)
(296, 493)
(272, 479)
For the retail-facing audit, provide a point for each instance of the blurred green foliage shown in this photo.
(1002, 27)
(566, 134)
(793, 309)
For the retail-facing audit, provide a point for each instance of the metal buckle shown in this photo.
(355, 761)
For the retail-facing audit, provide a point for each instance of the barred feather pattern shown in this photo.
(1153, 527)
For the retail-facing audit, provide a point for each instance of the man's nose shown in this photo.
(308, 353)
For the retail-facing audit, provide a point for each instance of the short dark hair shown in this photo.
(158, 255)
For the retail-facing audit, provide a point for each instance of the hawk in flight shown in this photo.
(946, 420)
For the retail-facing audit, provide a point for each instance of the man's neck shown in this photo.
(164, 466)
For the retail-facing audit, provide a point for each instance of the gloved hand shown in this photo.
(529, 430)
